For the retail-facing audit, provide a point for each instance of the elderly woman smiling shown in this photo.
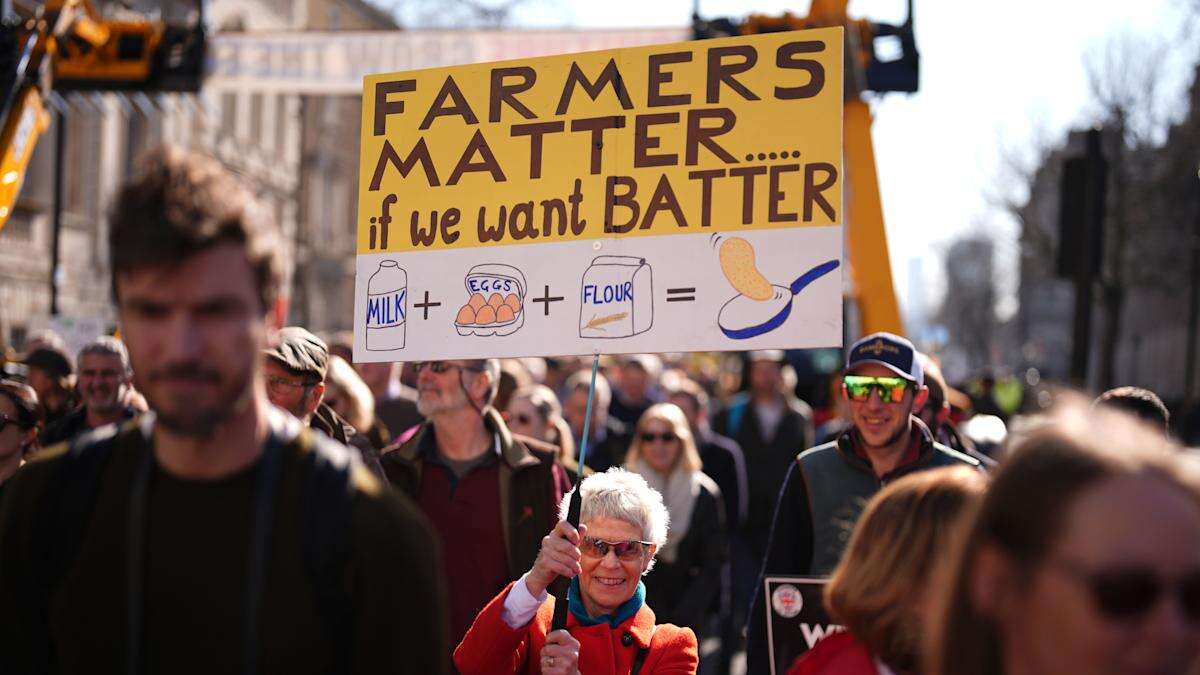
(610, 629)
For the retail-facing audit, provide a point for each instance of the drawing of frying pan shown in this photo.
(743, 318)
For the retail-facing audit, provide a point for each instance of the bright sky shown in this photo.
(993, 75)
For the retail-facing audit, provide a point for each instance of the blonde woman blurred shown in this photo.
(881, 586)
(685, 584)
(534, 411)
(352, 400)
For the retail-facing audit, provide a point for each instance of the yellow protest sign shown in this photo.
(513, 169)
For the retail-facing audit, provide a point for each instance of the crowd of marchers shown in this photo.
(213, 491)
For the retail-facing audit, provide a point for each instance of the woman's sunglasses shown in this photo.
(665, 437)
(625, 550)
(891, 389)
(1129, 594)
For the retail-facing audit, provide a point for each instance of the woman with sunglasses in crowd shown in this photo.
(18, 427)
(686, 582)
(879, 591)
(1083, 557)
(534, 411)
(610, 628)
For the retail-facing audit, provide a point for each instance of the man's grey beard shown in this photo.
(429, 408)
(112, 405)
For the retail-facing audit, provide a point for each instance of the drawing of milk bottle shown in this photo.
(387, 307)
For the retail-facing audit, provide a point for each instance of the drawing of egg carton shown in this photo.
(496, 305)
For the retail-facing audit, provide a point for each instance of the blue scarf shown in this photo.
(626, 610)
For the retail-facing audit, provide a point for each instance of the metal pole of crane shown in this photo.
(868, 249)
(60, 142)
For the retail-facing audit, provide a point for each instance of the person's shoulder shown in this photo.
(65, 427)
(946, 456)
(544, 451)
(722, 444)
(708, 488)
(378, 513)
(404, 447)
(45, 473)
(819, 452)
(669, 637)
(799, 407)
(837, 652)
(37, 476)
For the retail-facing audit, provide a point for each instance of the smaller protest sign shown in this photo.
(796, 618)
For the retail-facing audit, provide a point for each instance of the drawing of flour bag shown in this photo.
(387, 307)
(617, 298)
(496, 305)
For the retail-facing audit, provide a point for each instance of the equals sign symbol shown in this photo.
(681, 294)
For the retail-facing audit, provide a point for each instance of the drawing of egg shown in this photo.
(486, 315)
(505, 314)
(466, 315)
(476, 301)
(495, 300)
(514, 302)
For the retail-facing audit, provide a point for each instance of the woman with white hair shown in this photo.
(610, 629)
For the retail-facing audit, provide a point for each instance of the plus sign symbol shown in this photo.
(546, 299)
(424, 306)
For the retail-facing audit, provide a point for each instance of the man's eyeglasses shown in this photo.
(665, 437)
(282, 384)
(625, 550)
(439, 367)
(890, 389)
(1128, 594)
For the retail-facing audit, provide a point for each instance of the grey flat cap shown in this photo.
(301, 351)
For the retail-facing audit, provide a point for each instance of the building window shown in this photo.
(281, 122)
(256, 118)
(228, 114)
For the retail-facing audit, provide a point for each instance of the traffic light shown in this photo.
(1081, 211)
(866, 71)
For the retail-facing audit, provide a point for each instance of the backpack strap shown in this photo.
(65, 515)
(65, 512)
(327, 504)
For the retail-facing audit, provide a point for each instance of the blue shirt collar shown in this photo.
(623, 613)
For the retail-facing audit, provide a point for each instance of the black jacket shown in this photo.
(767, 459)
(830, 469)
(685, 591)
(610, 450)
(328, 422)
(724, 463)
(72, 424)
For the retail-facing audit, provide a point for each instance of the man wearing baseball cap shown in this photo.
(827, 486)
(50, 372)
